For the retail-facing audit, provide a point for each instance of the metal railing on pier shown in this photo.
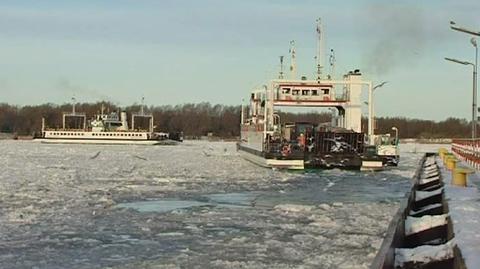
(467, 150)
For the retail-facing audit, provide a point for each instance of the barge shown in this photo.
(269, 141)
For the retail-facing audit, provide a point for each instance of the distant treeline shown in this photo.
(221, 120)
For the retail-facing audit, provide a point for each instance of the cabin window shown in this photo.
(314, 92)
(295, 92)
(325, 91)
(286, 90)
(305, 92)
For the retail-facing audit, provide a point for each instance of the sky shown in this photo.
(179, 51)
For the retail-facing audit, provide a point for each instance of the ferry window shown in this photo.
(314, 92)
(295, 92)
(305, 92)
(325, 91)
(286, 90)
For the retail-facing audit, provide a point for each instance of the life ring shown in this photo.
(286, 150)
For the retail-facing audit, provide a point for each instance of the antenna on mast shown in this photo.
(331, 60)
(319, 49)
(280, 75)
(293, 65)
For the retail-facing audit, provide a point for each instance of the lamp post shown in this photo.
(474, 43)
(371, 114)
(454, 26)
(396, 134)
(474, 96)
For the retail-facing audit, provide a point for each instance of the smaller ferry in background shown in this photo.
(110, 128)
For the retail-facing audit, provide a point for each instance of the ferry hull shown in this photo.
(311, 161)
(271, 163)
(106, 142)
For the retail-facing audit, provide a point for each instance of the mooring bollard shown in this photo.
(446, 156)
(442, 152)
(451, 163)
(459, 176)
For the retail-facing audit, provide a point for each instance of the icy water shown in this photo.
(198, 205)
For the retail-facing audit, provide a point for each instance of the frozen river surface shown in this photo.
(197, 205)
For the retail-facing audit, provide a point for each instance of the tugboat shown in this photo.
(270, 142)
(107, 129)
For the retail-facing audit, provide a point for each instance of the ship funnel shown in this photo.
(123, 118)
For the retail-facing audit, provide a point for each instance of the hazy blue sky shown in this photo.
(190, 51)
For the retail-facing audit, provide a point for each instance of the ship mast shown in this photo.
(293, 64)
(319, 49)
(332, 63)
(74, 101)
(280, 75)
(141, 107)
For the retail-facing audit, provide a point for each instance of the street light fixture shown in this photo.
(454, 26)
(458, 61)
(474, 98)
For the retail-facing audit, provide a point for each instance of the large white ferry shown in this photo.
(107, 129)
(270, 141)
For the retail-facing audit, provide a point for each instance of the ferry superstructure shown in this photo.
(267, 140)
(109, 128)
